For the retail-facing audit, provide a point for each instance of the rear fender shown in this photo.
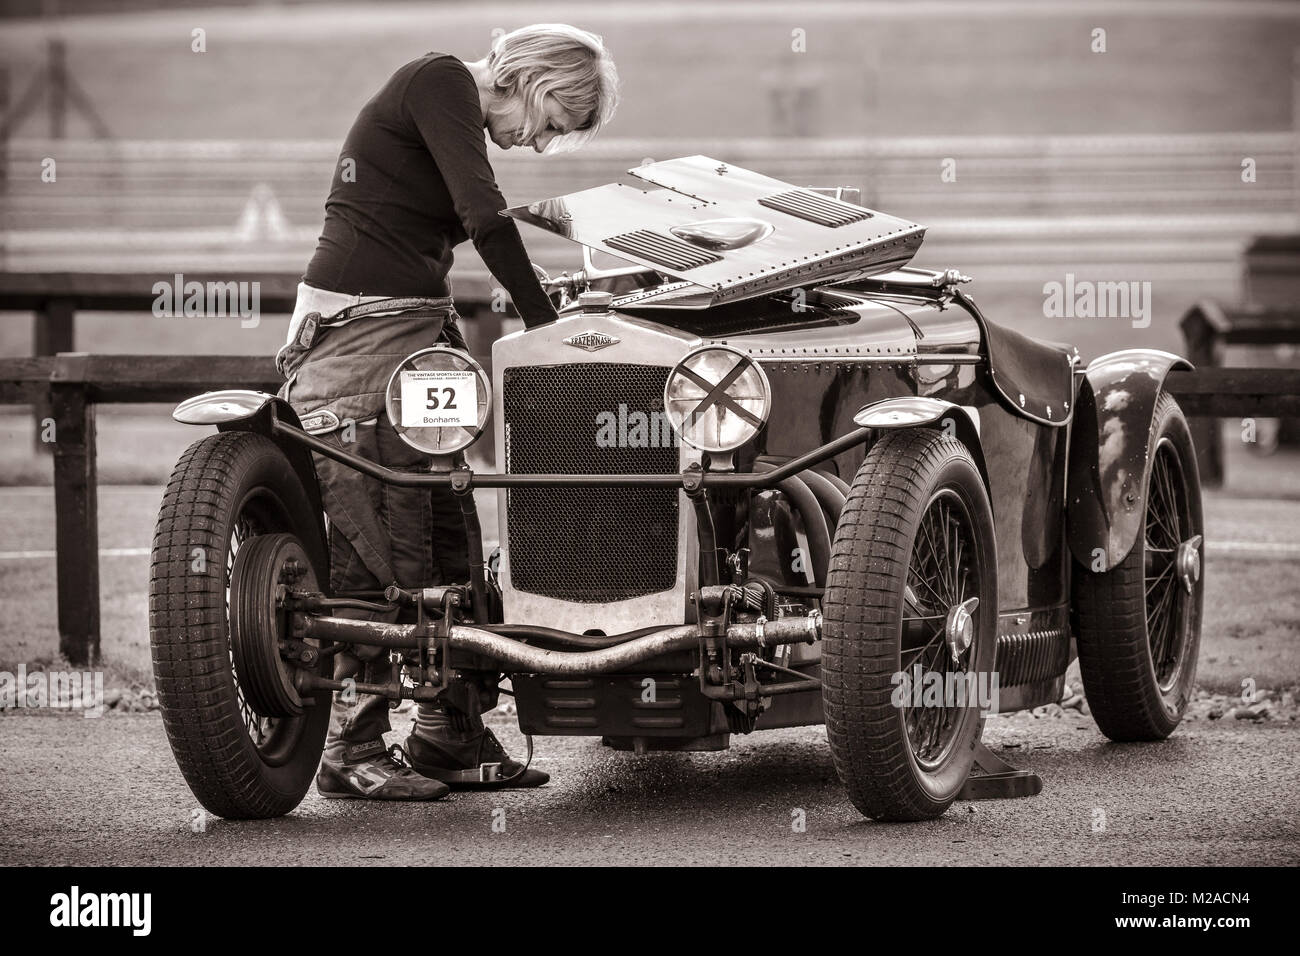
(1108, 453)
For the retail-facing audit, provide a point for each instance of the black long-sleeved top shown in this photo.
(413, 181)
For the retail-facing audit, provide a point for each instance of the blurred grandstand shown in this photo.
(1123, 164)
(1118, 165)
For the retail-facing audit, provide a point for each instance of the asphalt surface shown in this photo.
(106, 791)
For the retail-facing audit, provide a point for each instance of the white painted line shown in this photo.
(103, 553)
(47, 491)
(1252, 547)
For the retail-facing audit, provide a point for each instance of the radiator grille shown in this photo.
(665, 250)
(589, 545)
(815, 207)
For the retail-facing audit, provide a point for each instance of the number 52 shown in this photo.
(431, 398)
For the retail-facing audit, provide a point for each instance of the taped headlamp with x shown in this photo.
(717, 398)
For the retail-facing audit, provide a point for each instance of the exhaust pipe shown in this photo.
(518, 657)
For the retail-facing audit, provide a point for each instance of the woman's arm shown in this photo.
(442, 101)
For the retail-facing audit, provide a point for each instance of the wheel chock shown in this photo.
(992, 778)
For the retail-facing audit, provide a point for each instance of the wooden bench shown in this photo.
(1208, 328)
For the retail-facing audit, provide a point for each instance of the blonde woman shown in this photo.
(413, 181)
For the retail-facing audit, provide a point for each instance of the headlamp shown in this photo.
(717, 398)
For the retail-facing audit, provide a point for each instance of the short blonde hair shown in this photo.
(562, 61)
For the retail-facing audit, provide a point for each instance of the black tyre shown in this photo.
(915, 540)
(1139, 624)
(225, 491)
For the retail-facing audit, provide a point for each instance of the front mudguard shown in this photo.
(249, 411)
(916, 411)
(1109, 453)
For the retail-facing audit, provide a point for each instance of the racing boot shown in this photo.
(466, 757)
(369, 772)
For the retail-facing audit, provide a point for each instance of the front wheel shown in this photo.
(911, 626)
(235, 522)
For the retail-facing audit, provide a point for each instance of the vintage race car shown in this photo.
(760, 474)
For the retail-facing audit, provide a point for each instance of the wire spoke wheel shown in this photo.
(1167, 528)
(260, 729)
(911, 596)
(942, 576)
(1139, 623)
(274, 734)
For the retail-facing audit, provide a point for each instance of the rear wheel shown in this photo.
(246, 743)
(910, 608)
(1139, 624)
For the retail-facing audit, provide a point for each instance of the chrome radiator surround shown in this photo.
(639, 343)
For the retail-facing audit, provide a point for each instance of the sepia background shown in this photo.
(1135, 142)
